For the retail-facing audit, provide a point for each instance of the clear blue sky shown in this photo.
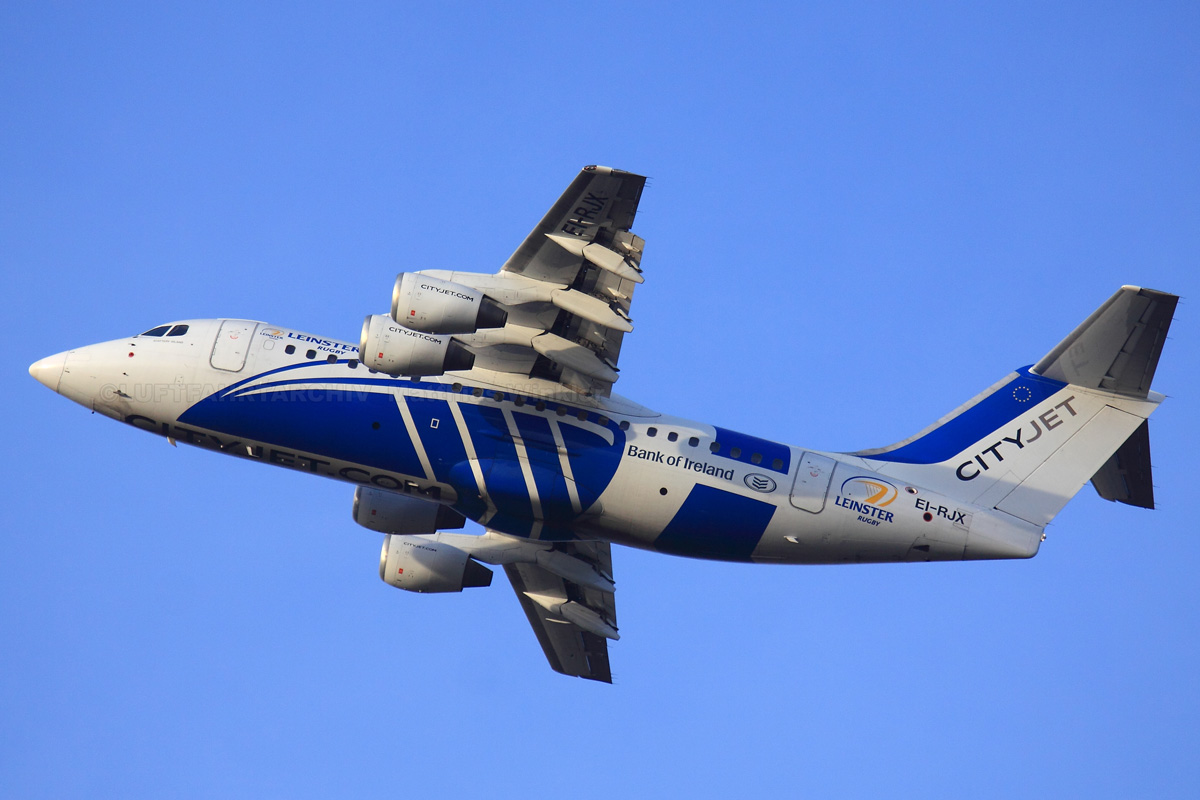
(856, 219)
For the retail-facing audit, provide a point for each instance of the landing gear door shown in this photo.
(233, 343)
(812, 482)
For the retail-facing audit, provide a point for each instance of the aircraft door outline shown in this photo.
(812, 482)
(232, 344)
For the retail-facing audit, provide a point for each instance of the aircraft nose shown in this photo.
(49, 370)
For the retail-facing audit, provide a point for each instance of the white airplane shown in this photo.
(488, 397)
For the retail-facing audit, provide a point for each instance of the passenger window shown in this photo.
(352, 364)
(178, 330)
(561, 411)
(777, 464)
(692, 442)
(602, 421)
(477, 392)
(541, 406)
(652, 431)
(291, 348)
(456, 387)
(672, 436)
(498, 396)
(715, 447)
(735, 452)
(331, 358)
(756, 458)
(311, 354)
(520, 401)
(159, 331)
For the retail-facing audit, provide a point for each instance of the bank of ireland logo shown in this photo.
(869, 490)
(759, 482)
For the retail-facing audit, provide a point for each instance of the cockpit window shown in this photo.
(178, 330)
(160, 330)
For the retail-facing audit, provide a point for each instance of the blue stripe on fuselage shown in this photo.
(366, 429)
(593, 461)
(438, 431)
(992, 412)
(544, 463)
(497, 457)
(713, 523)
(750, 446)
(439, 434)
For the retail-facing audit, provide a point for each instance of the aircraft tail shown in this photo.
(1029, 443)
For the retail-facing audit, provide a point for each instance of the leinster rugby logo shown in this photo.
(871, 490)
(866, 497)
(759, 482)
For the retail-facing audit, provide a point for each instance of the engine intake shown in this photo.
(423, 564)
(396, 350)
(433, 305)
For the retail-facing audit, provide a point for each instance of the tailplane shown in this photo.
(1027, 444)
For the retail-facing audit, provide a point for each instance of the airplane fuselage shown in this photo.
(520, 460)
(520, 432)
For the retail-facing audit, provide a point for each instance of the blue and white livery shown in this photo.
(488, 396)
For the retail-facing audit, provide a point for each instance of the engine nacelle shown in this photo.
(433, 305)
(423, 564)
(396, 350)
(388, 512)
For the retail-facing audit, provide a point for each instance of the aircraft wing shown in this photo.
(572, 622)
(568, 288)
(596, 208)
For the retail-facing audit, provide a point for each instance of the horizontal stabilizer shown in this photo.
(1126, 476)
(1041, 495)
(1116, 349)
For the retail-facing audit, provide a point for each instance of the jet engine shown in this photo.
(388, 512)
(433, 305)
(396, 350)
(423, 564)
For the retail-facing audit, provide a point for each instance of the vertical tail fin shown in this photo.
(1116, 349)
(1027, 444)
